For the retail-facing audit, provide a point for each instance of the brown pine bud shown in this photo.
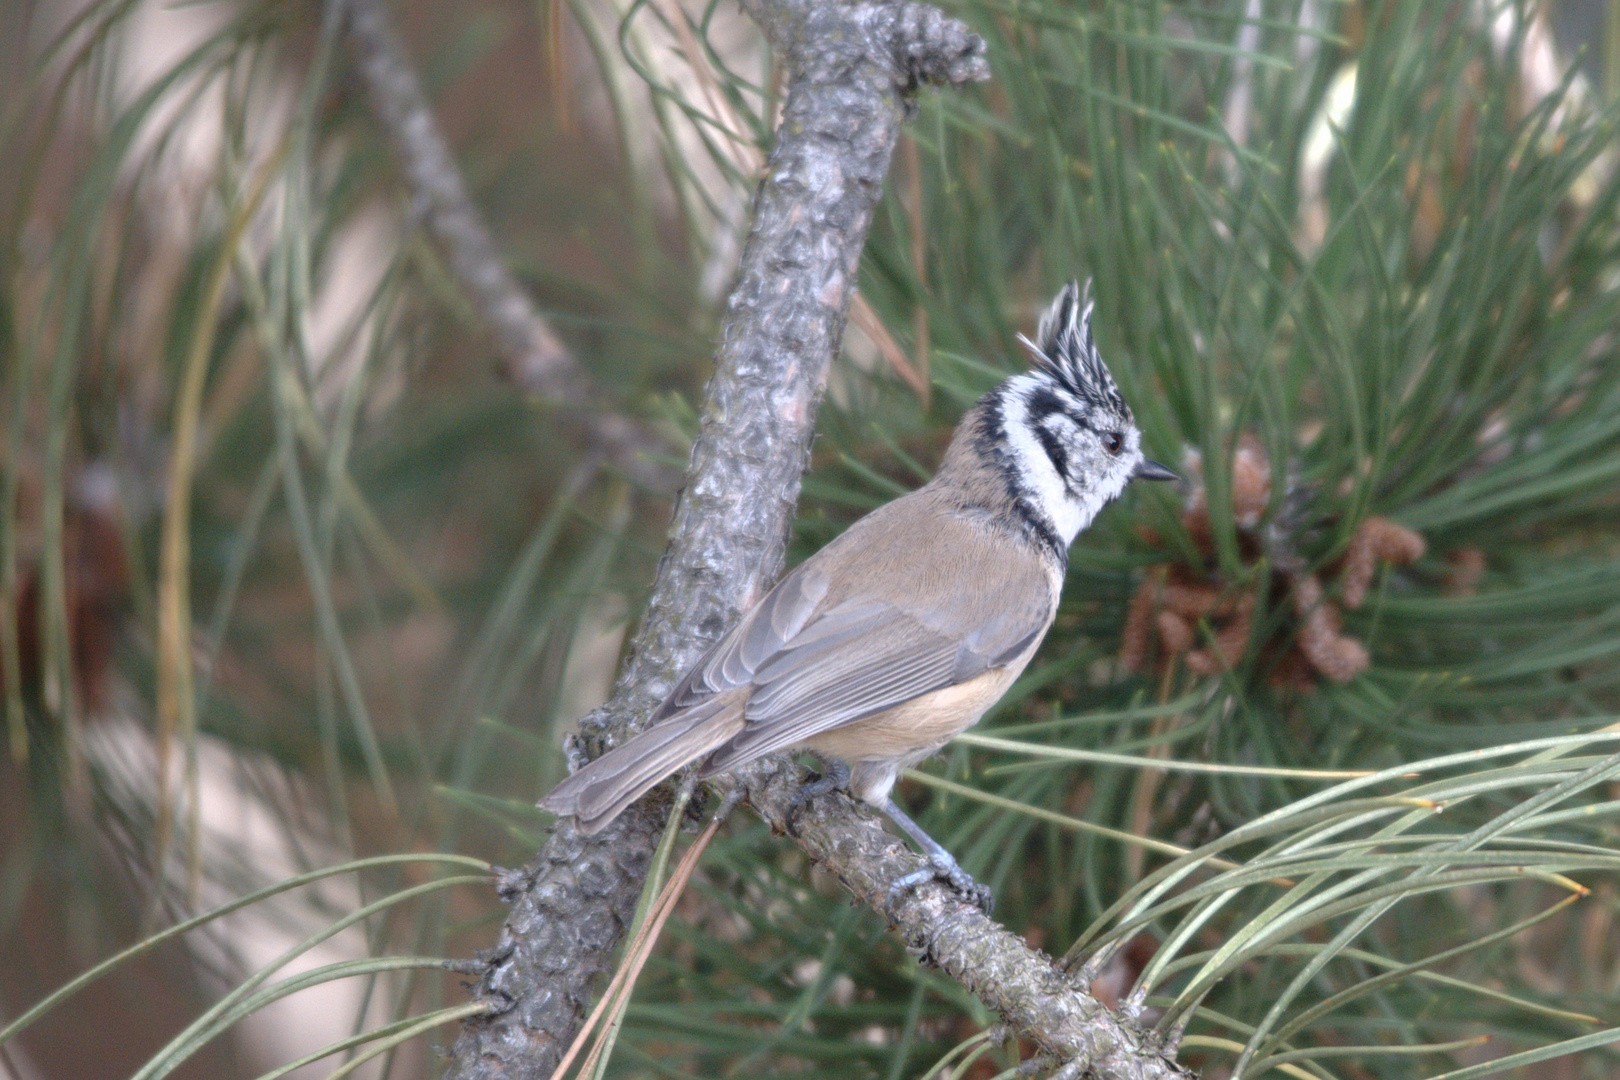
(1394, 543)
(1377, 538)
(1136, 636)
(1251, 482)
(1175, 633)
(1335, 655)
(1464, 569)
(1191, 601)
(1230, 641)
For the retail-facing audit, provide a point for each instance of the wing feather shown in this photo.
(761, 634)
(889, 662)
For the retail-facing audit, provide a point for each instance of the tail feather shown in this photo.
(596, 794)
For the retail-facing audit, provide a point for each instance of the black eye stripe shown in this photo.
(1054, 449)
(1043, 402)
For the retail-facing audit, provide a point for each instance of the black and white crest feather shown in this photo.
(1064, 350)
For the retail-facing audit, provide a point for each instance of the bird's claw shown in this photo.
(948, 870)
(835, 775)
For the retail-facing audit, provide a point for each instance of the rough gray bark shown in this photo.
(534, 357)
(851, 67)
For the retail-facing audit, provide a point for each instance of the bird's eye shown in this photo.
(1113, 442)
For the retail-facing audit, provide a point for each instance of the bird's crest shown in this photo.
(1063, 349)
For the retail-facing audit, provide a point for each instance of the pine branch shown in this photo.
(1035, 997)
(852, 68)
(534, 357)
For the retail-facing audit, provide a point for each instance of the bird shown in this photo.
(899, 634)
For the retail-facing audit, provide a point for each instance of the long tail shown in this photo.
(597, 793)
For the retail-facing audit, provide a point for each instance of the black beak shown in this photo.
(1152, 470)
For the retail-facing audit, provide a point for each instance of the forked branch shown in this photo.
(851, 70)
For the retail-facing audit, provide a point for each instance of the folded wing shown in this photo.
(859, 659)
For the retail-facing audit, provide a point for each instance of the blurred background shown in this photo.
(300, 565)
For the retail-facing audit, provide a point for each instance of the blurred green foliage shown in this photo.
(1358, 236)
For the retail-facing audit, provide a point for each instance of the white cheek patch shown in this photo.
(1091, 502)
(1046, 488)
(1107, 490)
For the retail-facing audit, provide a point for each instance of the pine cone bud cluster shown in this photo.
(1190, 612)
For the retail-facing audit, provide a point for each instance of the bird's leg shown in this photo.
(834, 775)
(941, 864)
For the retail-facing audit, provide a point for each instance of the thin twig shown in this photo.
(534, 357)
(867, 320)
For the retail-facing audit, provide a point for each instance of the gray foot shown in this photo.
(949, 871)
(942, 865)
(834, 776)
